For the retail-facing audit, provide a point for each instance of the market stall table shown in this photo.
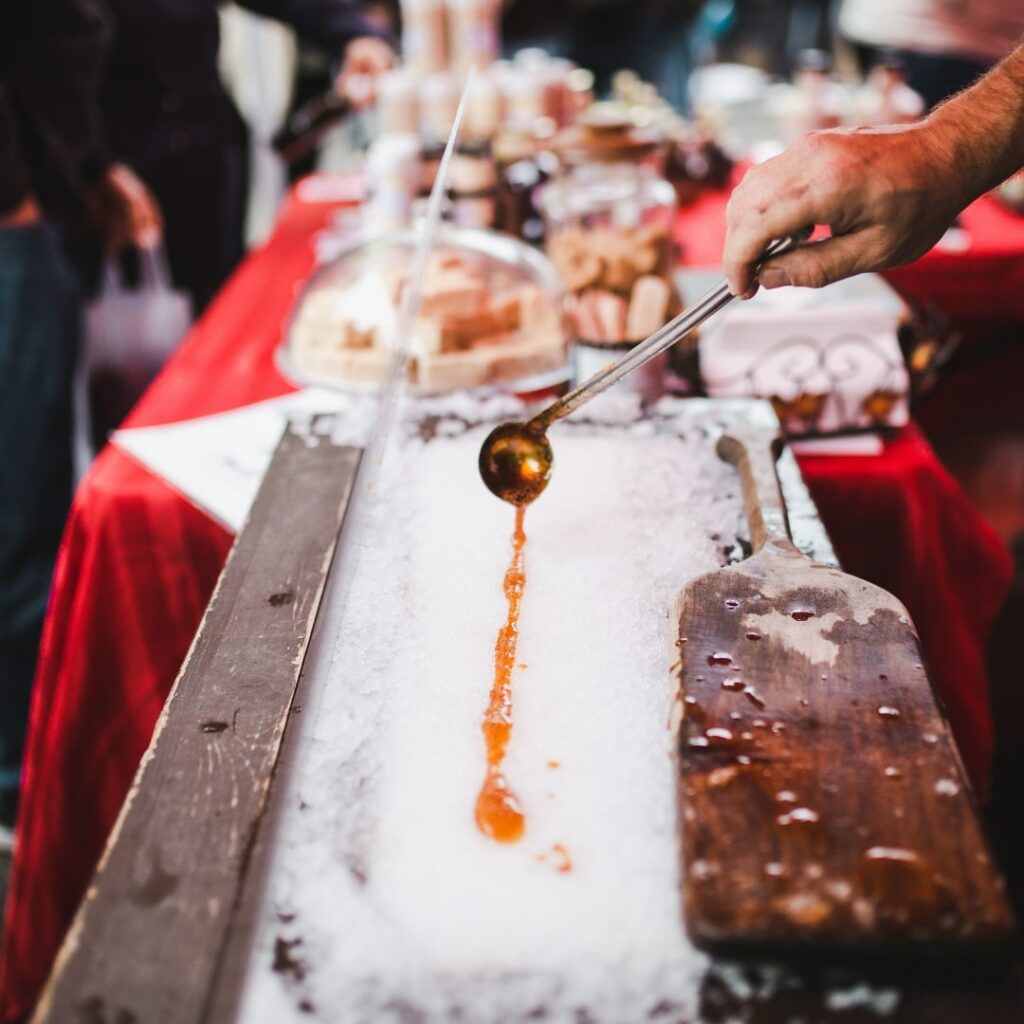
(139, 562)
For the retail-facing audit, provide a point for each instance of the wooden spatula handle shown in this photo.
(753, 452)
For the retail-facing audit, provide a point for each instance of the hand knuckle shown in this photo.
(735, 207)
(814, 275)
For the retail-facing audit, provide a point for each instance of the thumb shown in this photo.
(817, 264)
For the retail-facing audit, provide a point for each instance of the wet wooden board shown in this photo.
(824, 808)
(763, 994)
(147, 942)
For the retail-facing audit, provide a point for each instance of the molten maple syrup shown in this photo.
(498, 813)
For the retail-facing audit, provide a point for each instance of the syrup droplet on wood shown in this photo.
(754, 697)
(798, 816)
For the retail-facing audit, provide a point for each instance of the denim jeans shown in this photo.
(39, 327)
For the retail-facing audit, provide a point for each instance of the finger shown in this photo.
(817, 264)
(374, 62)
(148, 230)
(776, 203)
(146, 221)
(145, 210)
(381, 57)
(361, 89)
(796, 189)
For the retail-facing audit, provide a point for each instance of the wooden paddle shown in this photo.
(824, 808)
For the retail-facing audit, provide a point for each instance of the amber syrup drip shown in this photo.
(498, 813)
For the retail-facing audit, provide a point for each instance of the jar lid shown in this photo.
(605, 133)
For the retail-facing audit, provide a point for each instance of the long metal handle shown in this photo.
(754, 451)
(675, 330)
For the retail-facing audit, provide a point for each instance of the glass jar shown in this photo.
(525, 163)
(491, 316)
(609, 220)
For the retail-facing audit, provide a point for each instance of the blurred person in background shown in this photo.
(54, 179)
(650, 37)
(168, 115)
(647, 36)
(944, 46)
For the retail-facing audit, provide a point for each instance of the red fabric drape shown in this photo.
(138, 564)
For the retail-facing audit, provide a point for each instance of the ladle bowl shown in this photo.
(515, 462)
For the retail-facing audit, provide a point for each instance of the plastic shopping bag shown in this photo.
(128, 335)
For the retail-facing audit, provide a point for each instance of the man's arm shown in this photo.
(887, 194)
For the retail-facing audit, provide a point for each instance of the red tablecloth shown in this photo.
(983, 282)
(138, 564)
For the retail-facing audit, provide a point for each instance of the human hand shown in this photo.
(887, 194)
(125, 210)
(26, 212)
(365, 58)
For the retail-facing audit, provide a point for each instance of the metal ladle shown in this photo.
(516, 458)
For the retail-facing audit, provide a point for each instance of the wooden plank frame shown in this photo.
(164, 934)
(148, 939)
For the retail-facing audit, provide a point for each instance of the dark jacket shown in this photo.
(51, 60)
(162, 90)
